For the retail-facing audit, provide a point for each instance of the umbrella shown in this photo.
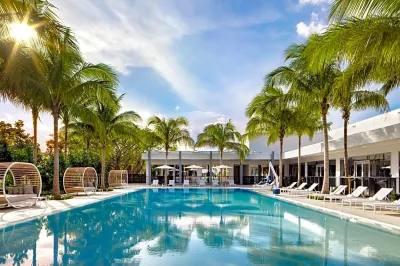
(193, 167)
(222, 167)
(165, 167)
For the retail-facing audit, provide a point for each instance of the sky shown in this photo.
(202, 59)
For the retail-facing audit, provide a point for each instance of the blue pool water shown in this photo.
(195, 227)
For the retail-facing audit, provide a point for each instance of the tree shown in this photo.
(306, 122)
(170, 132)
(270, 115)
(223, 136)
(312, 89)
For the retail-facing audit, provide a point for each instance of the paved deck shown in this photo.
(389, 220)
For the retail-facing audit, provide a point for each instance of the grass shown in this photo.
(59, 197)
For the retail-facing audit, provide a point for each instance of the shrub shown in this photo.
(59, 197)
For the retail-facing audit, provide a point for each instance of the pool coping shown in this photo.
(68, 208)
(342, 215)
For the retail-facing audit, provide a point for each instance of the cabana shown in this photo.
(80, 179)
(26, 184)
(118, 178)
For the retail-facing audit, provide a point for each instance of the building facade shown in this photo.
(373, 148)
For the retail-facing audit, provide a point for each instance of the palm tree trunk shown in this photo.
(325, 184)
(299, 163)
(346, 118)
(103, 167)
(35, 117)
(221, 155)
(280, 162)
(56, 172)
(166, 170)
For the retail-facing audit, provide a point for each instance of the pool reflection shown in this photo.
(205, 227)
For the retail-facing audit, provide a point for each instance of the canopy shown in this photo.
(193, 167)
(165, 167)
(222, 167)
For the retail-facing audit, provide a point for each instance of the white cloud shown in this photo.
(315, 26)
(313, 2)
(177, 108)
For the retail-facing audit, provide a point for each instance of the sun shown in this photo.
(22, 32)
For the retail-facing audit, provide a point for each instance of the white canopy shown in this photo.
(222, 167)
(193, 167)
(165, 167)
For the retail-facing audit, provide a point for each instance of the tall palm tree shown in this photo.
(224, 137)
(306, 122)
(313, 89)
(108, 124)
(351, 99)
(170, 132)
(270, 115)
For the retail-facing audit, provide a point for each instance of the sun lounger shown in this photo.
(231, 182)
(285, 189)
(155, 183)
(338, 191)
(185, 182)
(356, 193)
(171, 183)
(262, 182)
(215, 183)
(266, 185)
(305, 191)
(379, 196)
(381, 204)
(202, 183)
(301, 187)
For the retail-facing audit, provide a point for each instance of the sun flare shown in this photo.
(22, 32)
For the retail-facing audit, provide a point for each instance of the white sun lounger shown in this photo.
(231, 182)
(388, 205)
(202, 183)
(266, 185)
(171, 183)
(301, 187)
(155, 183)
(305, 191)
(285, 189)
(379, 196)
(185, 182)
(338, 191)
(356, 193)
(215, 183)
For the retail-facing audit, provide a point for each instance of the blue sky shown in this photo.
(203, 59)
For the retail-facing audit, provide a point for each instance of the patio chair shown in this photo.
(231, 182)
(285, 189)
(215, 183)
(379, 196)
(301, 187)
(171, 183)
(355, 194)
(266, 185)
(155, 183)
(202, 183)
(387, 205)
(262, 182)
(338, 191)
(305, 191)
(185, 182)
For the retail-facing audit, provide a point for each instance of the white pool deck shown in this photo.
(388, 220)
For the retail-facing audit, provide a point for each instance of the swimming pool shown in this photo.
(195, 227)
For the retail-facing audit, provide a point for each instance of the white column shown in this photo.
(337, 175)
(394, 167)
(286, 169)
(305, 169)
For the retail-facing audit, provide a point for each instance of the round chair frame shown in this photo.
(75, 180)
(116, 178)
(21, 173)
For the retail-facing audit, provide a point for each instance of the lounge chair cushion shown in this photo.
(28, 190)
(20, 197)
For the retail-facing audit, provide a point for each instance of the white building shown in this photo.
(373, 146)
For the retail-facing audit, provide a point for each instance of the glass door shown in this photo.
(319, 171)
(361, 169)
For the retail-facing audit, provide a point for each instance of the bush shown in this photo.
(59, 197)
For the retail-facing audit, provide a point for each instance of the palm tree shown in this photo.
(306, 122)
(312, 89)
(170, 132)
(350, 99)
(270, 115)
(108, 124)
(224, 137)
